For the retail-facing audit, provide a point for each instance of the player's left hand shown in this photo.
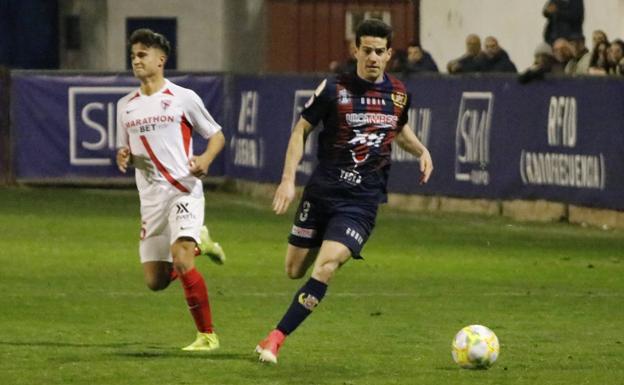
(426, 167)
(198, 166)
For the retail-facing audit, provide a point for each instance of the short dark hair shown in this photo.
(149, 38)
(375, 28)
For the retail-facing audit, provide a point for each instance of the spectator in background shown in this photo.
(563, 53)
(564, 18)
(472, 61)
(347, 65)
(396, 64)
(543, 61)
(418, 60)
(579, 64)
(496, 58)
(598, 63)
(599, 36)
(615, 57)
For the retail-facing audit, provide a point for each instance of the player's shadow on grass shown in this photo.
(164, 353)
(57, 344)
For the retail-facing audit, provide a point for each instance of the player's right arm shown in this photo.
(124, 155)
(285, 192)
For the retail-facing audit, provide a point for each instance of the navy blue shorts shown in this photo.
(318, 220)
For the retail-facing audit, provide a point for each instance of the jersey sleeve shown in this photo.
(317, 106)
(403, 119)
(122, 139)
(199, 117)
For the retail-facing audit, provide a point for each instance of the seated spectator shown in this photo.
(496, 58)
(563, 53)
(542, 64)
(615, 57)
(599, 36)
(418, 60)
(347, 65)
(579, 64)
(471, 61)
(598, 63)
(397, 61)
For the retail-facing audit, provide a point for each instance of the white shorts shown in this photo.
(164, 222)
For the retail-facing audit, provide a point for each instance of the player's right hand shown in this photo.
(284, 194)
(123, 158)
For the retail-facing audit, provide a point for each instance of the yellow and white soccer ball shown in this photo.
(475, 347)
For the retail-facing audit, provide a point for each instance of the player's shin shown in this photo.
(305, 300)
(196, 295)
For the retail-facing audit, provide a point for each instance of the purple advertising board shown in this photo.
(65, 126)
(557, 139)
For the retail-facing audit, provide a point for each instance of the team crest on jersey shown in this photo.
(399, 99)
(165, 104)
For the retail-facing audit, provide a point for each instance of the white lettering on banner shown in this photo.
(246, 146)
(571, 170)
(93, 118)
(248, 112)
(472, 138)
(562, 121)
(566, 170)
(307, 162)
(419, 119)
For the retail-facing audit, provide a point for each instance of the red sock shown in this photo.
(197, 300)
(173, 275)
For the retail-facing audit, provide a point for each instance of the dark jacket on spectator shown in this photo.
(566, 21)
(471, 63)
(426, 64)
(499, 63)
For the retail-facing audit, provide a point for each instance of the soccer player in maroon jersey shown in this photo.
(154, 134)
(362, 114)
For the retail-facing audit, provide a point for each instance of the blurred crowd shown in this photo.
(564, 51)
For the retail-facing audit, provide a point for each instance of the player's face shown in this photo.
(372, 56)
(146, 61)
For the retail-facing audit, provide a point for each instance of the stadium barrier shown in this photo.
(491, 138)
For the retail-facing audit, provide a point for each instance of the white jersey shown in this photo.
(158, 130)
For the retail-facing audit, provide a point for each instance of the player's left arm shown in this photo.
(202, 122)
(408, 141)
(199, 164)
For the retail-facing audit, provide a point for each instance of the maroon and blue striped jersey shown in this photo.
(360, 121)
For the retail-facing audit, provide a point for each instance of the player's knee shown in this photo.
(155, 284)
(294, 272)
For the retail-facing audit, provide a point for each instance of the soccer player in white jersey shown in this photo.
(154, 126)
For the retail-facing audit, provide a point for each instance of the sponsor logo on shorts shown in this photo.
(303, 233)
(308, 301)
(355, 235)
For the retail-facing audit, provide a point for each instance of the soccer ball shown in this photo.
(475, 347)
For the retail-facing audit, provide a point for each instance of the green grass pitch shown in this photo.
(74, 309)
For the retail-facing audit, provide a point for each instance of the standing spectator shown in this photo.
(563, 53)
(472, 61)
(579, 64)
(564, 18)
(419, 60)
(496, 58)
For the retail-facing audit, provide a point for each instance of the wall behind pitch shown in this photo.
(518, 25)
